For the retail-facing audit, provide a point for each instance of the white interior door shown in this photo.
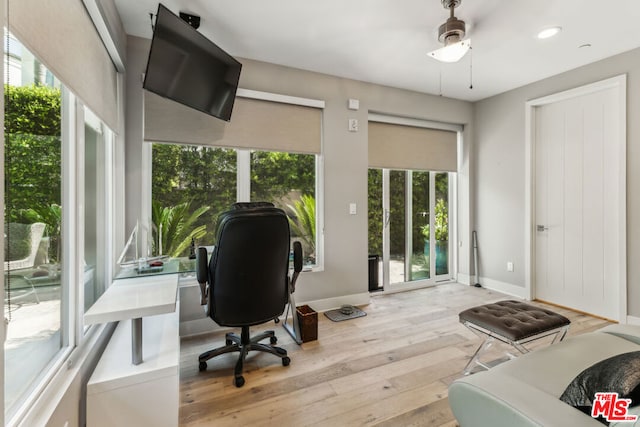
(577, 203)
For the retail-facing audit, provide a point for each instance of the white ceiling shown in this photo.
(387, 41)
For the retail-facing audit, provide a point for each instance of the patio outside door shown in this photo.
(404, 208)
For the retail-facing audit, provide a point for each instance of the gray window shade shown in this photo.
(258, 124)
(407, 147)
(61, 34)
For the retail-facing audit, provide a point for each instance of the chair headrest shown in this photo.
(251, 205)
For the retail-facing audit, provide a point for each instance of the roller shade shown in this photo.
(408, 147)
(61, 34)
(257, 124)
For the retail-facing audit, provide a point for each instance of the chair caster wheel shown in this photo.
(286, 361)
(238, 381)
(277, 320)
(228, 342)
(273, 340)
(202, 366)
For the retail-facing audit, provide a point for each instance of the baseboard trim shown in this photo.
(321, 305)
(633, 320)
(503, 287)
(464, 279)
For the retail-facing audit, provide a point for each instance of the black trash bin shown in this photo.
(373, 273)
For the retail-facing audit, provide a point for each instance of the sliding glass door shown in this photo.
(404, 208)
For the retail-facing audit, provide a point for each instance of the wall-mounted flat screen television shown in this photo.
(190, 69)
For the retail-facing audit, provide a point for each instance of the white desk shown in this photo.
(122, 394)
(134, 299)
(119, 392)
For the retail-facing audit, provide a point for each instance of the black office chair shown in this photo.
(247, 280)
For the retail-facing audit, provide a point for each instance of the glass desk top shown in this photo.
(182, 265)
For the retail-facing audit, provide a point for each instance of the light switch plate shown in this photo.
(354, 104)
(353, 209)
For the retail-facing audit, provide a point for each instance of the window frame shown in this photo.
(77, 340)
(243, 171)
(104, 205)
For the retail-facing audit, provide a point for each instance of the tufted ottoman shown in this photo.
(512, 322)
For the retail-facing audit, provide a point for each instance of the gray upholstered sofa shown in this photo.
(525, 391)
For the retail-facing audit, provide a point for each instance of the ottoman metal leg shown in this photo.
(475, 359)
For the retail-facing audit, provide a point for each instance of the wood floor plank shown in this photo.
(437, 413)
(378, 410)
(391, 367)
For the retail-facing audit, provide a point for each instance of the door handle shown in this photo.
(541, 228)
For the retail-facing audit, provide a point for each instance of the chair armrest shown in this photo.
(297, 266)
(202, 274)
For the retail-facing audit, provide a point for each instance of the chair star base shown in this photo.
(243, 344)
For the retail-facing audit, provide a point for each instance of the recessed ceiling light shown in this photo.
(549, 32)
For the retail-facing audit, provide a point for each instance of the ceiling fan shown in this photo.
(451, 33)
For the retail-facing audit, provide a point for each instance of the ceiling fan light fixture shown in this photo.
(549, 32)
(451, 33)
(452, 52)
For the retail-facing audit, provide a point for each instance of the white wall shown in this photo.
(498, 182)
(344, 279)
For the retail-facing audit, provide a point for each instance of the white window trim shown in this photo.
(419, 123)
(243, 175)
(276, 97)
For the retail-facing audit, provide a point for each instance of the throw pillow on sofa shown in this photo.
(618, 374)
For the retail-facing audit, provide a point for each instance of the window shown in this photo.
(192, 185)
(57, 181)
(98, 157)
(33, 212)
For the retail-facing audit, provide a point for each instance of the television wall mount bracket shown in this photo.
(193, 20)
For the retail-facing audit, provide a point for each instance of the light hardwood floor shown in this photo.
(389, 368)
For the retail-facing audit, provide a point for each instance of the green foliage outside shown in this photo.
(303, 222)
(203, 176)
(442, 222)
(396, 219)
(375, 214)
(275, 175)
(174, 227)
(206, 176)
(33, 158)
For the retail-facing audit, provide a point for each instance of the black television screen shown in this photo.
(188, 68)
